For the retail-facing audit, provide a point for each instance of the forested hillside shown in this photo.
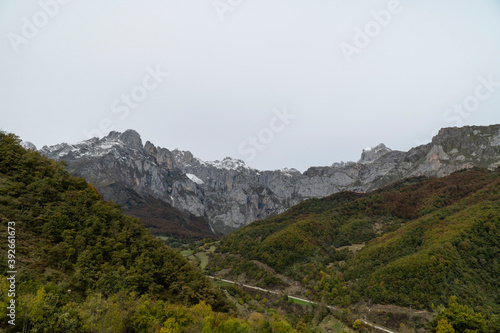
(83, 266)
(416, 242)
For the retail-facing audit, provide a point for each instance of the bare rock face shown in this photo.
(229, 194)
(372, 154)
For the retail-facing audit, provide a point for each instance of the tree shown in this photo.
(357, 324)
(460, 318)
(444, 326)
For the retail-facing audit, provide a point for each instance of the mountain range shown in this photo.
(176, 193)
(420, 242)
(429, 238)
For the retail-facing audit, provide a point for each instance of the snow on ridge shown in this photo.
(342, 164)
(288, 171)
(56, 147)
(195, 179)
(109, 144)
(86, 148)
(369, 155)
(228, 163)
(200, 161)
(178, 152)
(61, 149)
(377, 148)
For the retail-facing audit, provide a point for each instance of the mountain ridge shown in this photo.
(228, 194)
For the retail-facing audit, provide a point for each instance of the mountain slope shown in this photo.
(158, 216)
(70, 245)
(227, 194)
(420, 239)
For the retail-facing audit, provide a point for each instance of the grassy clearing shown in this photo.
(203, 259)
(332, 324)
(162, 238)
(220, 283)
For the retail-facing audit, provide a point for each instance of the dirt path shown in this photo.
(303, 300)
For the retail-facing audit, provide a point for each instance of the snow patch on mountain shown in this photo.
(86, 149)
(195, 179)
(229, 163)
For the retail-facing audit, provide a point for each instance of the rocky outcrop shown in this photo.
(372, 154)
(228, 194)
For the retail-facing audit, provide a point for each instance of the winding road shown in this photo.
(301, 299)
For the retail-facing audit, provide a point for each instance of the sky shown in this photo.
(285, 83)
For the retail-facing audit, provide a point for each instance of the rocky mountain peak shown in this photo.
(185, 158)
(371, 154)
(132, 139)
(150, 148)
(230, 194)
(28, 145)
(290, 171)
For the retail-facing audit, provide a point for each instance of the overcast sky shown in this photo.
(286, 83)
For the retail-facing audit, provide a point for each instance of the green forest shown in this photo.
(83, 266)
(419, 242)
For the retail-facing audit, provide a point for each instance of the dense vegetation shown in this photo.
(85, 239)
(421, 241)
(250, 271)
(83, 266)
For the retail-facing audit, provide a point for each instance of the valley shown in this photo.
(413, 255)
(230, 166)
(421, 239)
